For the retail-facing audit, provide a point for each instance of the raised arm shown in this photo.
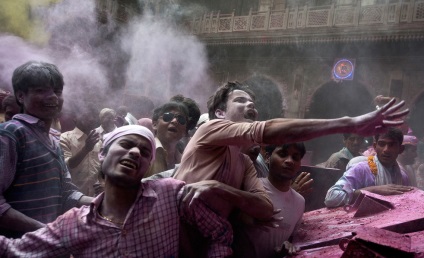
(278, 131)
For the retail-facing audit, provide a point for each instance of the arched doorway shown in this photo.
(331, 100)
(269, 100)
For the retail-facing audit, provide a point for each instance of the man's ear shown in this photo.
(219, 113)
(20, 96)
(155, 125)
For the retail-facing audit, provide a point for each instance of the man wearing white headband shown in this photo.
(131, 218)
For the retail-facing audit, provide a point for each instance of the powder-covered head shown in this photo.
(126, 130)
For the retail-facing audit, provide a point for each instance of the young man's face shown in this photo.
(240, 108)
(127, 160)
(169, 131)
(43, 102)
(387, 150)
(284, 164)
(354, 143)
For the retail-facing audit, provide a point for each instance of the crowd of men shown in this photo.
(118, 185)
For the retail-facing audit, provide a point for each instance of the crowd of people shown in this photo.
(177, 183)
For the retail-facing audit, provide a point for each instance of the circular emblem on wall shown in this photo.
(343, 69)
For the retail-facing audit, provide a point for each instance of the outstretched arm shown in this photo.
(278, 131)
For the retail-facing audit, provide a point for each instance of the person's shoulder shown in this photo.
(164, 183)
(13, 129)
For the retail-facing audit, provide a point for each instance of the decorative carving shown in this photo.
(344, 16)
(372, 14)
(318, 18)
(241, 23)
(419, 12)
(258, 22)
(276, 21)
(224, 24)
(391, 16)
(404, 12)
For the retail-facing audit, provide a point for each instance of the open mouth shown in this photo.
(250, 115)
(172, 129)
(129, 164)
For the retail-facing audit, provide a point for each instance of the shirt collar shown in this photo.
(158, 143)
(144, 191)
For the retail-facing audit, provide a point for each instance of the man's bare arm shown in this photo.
(220, 197)
(17, 221)
(280, 130)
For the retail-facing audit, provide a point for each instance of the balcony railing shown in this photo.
(310, 17)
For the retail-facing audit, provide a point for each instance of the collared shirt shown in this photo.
(214, 153)
(150, 229)
(85, 174)
(26, 134)
(339, 159)
(360, 176)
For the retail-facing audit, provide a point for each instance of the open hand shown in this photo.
(388, 189)
(377, 121)
(285, 248)
(92, 138)
(303, 184)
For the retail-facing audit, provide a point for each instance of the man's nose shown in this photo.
(135, 152)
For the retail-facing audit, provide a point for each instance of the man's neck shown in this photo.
(117, 201)
(282, 185)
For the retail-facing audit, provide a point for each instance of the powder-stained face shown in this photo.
(285, 163)
(240, 108)
(108, 121)
(43, 102)
(170, 131)
(127, 160)
(354, 143)
(387, 150)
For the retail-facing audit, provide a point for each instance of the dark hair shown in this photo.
(219, 99)
(167, 107)
(300, 146)
(193, 110)
(35, 74)
(393, 133)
